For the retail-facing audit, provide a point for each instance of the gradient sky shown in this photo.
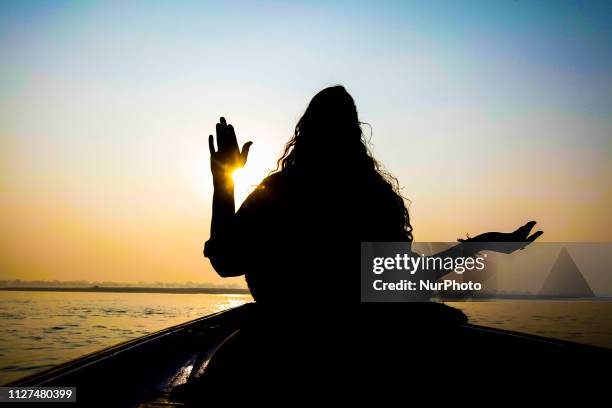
(490, 114)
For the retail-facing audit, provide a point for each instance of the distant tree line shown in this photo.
(86, 283)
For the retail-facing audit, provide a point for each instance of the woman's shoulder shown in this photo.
(265, 192)
(274, 185)
(274, 181)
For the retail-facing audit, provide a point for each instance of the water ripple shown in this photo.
(38, 331)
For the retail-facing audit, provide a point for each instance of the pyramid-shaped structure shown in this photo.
(565, 279)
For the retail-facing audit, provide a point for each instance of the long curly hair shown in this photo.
(330, 131)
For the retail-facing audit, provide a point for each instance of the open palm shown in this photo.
(228, 156)
(506, 242)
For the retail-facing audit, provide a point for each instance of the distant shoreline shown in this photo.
(110, 289)
(239, 291)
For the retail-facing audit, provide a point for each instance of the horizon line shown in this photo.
(129, 289)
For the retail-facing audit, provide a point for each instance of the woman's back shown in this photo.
(305, 234)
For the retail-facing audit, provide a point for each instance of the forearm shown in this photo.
(223, 209)
(222, 230)
(462, 250)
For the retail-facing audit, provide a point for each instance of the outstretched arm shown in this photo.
(223, 231)
(505, 242)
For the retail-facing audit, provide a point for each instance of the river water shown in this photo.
(41, 329)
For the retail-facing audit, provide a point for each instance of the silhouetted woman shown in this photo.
(297, 236)
(299, 232)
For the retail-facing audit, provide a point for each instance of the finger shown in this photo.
(222, 120)
(211, 144)
(524, 230)
(529, 225)
(534, 236)
(245, 152)
(221, 136)
(232, 142)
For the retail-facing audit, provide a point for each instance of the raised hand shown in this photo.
(228, 156)
(506, 242)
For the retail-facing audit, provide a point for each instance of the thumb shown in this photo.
(245, 152)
